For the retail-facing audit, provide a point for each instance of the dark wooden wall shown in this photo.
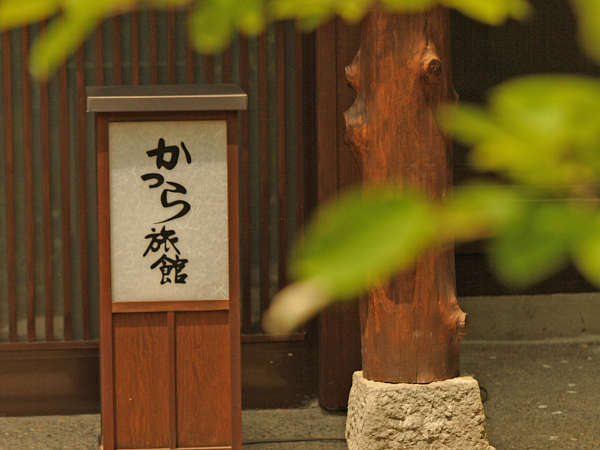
(48, 208)
(339, 168)
(48, 280)
(485, 56)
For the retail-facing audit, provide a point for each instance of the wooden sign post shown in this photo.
(169, 272)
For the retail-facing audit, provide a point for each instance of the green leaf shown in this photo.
(363, 238)
(165, 3)
(251, 16)
(545, 107)
(554, 124)
(538, 130)
(588, 18)
(468, 123)
(294, 305)
(62, 38)
(479, 210)
(493, 12)
(408, 5)
(538, 243)
(587, 253)
(65, 33)
(353, 11)
(287, 9)
(211, 24)
(16, 13)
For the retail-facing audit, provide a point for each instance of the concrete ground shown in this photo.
(541, 395)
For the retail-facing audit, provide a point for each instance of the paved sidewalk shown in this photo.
(540, 396)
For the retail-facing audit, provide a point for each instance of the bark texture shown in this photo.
(411, 328)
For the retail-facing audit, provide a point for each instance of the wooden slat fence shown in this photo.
(48, 210)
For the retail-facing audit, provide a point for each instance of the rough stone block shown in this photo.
(440, 415)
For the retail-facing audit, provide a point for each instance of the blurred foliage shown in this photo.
(212, 23)
(588, 16)
(540, 134)
(403, 223)
(540, 131)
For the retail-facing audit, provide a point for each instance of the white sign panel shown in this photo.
(168, 206)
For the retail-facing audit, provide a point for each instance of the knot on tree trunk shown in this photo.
(432, 71)
(355, 116)
(462, 324)
(352, 72)
(356, 126)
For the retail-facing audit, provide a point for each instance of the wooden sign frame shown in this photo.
(144, 344)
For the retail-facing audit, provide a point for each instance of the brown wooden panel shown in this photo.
(339, 327)
(135, 48)
(282, 197)
(104, 263)
(226, 66)
(208, 69)
(28, 160)
(62, 377)
(326, 112)
(234, 279)
(349, 173)
(244, 181)
(300, 154)
(172, 380)
(263, 117)
(203, 379)
(190, 58)
(157, 306)
(330, 337)
(99, 56)
(326, 100)
(261, 337)
(47, 207)
(278, 374)
(141, 371)
(9, 186)
(65, 200)
(40, 379)
(153, 43)
(310, 130)
(117, 54)
(171, 43)
(42, 345)
(82, 193)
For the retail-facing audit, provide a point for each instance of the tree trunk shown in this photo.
(412, 326)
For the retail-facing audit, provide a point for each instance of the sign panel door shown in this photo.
(168, 232)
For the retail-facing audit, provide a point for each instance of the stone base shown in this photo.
(440, 415)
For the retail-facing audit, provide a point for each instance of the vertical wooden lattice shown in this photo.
(48, 216)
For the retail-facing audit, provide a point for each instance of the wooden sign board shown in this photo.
(169, 271)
